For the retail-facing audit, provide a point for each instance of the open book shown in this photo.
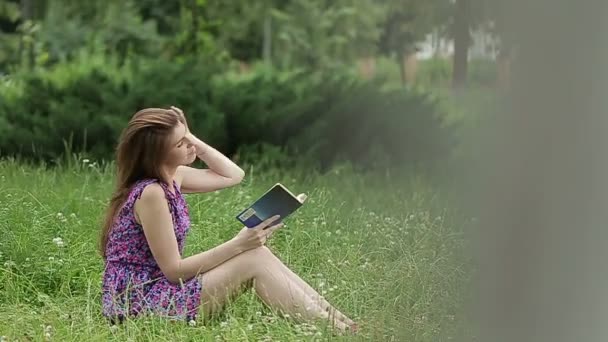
(278, 200)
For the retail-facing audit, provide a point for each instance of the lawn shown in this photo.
(391, 252)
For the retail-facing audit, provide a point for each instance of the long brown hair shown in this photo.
(142, 147)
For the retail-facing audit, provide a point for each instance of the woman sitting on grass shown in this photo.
(147, 223)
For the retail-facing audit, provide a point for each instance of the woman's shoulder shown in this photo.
(137, 189)
(151, 191)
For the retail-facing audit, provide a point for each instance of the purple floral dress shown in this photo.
(133, 283)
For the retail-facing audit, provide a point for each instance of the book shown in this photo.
(278, 200)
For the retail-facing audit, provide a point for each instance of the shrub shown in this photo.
(318, 116)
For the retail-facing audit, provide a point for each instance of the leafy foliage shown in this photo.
(323, 117)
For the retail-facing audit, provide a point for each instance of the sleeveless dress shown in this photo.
(133, 283)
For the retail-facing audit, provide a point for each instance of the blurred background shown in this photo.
(373, 83)
(500, 101)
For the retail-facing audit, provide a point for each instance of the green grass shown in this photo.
(386, 251)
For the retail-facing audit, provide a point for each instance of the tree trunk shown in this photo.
(462, 39)
(436, 43)
(503, 64)
(195, 26)
(367, 67)
(27, 8)
(267, 44)
(244, 67)
(401, 61)
(410, 66)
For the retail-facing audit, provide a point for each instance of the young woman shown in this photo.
(147, 223)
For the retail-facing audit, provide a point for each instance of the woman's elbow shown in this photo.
(235, 180)
(174, 278)
(173, 274)
(239, 176)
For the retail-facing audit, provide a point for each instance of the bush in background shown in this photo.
(322, 116)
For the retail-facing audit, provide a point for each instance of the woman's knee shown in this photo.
(259, 253)
(256, 257)
(250, 261)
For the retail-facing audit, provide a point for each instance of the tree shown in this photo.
(469, 15)
(407, 23)
(10, 17)
(238, 27)
(462, 41)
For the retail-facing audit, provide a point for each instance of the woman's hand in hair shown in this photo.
(181, 114)
(198, 144)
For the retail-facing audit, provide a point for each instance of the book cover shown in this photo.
(278, 200)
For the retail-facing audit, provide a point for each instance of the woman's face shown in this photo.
(181, 151)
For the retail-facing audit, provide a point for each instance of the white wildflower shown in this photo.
(58, 241)
(192, 323)
(60, 217)
(85, 161)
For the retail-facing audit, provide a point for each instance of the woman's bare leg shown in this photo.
(313, 293)
(271, 284)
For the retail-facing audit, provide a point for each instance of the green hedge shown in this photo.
(322, 117)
